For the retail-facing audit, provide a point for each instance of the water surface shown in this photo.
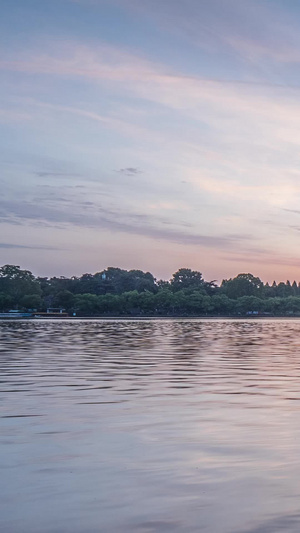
(150, 426)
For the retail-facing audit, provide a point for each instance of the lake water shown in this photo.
(150, 426)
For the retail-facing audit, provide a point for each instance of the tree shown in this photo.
(6, 302)
(185, 278)
(295, 288)
(111, 303)
(268, 292)
(242, 285)
(221, 304)
(86, 304)
(281, 290)
(211, 287)
(132, 302)
(288, 289)
(64, 299)
(86, 284)
(197, 303)
(291, 305)
(17, 283)
(162, 284)
(147, 301)
(251, 304)
(164, 302)
(273, 305)
(142, 281)
(117, 281)
(31, 301)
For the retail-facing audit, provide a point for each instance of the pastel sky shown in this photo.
(151, 134)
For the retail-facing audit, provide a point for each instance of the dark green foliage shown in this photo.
(86, 304)
(6, 302)
(118, 292)
(31, 301)
(165, 302)
(64, 299)
(185, 278)
(295, 289)
(16, 283)
(222, 305)
(249, 304)
(242, 285)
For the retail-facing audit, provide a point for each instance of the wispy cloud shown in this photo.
(112, 220)
(11, 246)
(45, 174)
(279, 523)
(182, 141)
(232, 114)
(253, 30)
(130, 171)
(297, 211)
(157, 82)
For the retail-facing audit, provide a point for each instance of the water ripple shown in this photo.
(150, 425)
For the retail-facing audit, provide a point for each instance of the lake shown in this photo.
(150, 426)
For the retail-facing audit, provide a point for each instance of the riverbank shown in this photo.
(147, 318)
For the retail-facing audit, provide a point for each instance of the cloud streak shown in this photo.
(114, 221)
(130, 171)
(255, 32)
(155, 82)
(12, 246)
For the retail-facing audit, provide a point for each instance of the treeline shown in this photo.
(115, 291)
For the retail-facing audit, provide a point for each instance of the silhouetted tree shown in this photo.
(242, 285)
(185, 278)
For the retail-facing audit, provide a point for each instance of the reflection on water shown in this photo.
(145, 426)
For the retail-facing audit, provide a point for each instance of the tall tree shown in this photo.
(185, 278)
(17, 282)
(242, 285)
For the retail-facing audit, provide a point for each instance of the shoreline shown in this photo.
(147, 318)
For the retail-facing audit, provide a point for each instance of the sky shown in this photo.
(151, 134)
